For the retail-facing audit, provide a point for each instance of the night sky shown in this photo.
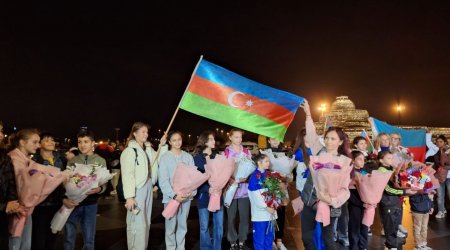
(106, 66)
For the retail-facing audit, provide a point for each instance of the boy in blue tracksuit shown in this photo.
(262, 215)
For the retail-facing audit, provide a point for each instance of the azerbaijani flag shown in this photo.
(369, 142)
(328, 123)
(413, 139)
(221, 95)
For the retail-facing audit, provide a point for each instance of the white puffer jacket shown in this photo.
(135, 170)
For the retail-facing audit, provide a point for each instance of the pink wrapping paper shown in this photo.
(220, 169)
(370, 188)
(333, 179)
(32, 188)
(186, 179)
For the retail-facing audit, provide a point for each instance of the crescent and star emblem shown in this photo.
(248, 103)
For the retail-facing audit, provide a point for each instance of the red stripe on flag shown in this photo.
(419, 153)
(229, 96)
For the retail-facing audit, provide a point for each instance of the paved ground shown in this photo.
(111, 230)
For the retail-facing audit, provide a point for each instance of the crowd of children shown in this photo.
(142, 167)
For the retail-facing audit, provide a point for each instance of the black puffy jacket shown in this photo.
(8, 189)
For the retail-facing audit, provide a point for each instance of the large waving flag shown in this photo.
(413, 139)
(221, 95)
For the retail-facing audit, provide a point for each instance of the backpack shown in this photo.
(119, 188)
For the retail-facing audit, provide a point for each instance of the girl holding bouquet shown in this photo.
(275, 148)
(336, 145)
(390, 204)
(26, 143)
(262, 215)
(357, 231)
(397, 149)
(139, 174)
(240, 201)
(205, 148)
(176, 227)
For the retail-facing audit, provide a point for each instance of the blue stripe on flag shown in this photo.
(410, 137)
(222, 76)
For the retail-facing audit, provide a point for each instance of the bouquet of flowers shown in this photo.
(331, 177)
(82, 179)
(418, 176)
(370, 188)
(220, 170)
(35, 182)
(244, 168)
(402, 157)
(186, 179)
(272, 193)
(280, 162)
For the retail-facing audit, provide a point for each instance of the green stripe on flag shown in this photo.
(232, 116)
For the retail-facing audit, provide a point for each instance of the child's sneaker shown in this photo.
(234, 246)
(402, 229)
(400, 234)
(425, 247)
(369, 232)
(440, 214)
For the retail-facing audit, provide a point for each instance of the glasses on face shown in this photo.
(396, 138)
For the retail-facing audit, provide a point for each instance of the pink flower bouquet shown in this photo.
(331, 177)
(370, 188)
(34, 183)
(186, 179)
(220, 170)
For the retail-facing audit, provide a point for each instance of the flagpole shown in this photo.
(370, 141)
(325, 125)
(176, 110)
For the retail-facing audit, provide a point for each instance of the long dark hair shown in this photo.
(300, 144)
(357, 139)
(344, 148)
(201, 142)
(172, 133)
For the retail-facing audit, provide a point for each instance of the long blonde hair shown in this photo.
(136, 126)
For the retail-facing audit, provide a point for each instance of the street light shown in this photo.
(399, 109)
(322, 108)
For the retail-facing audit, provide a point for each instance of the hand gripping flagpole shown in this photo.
(370, 141)
(176, 111)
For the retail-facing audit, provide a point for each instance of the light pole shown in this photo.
(399, 109)
(322, 109)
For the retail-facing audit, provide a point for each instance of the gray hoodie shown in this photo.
(167, 166)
